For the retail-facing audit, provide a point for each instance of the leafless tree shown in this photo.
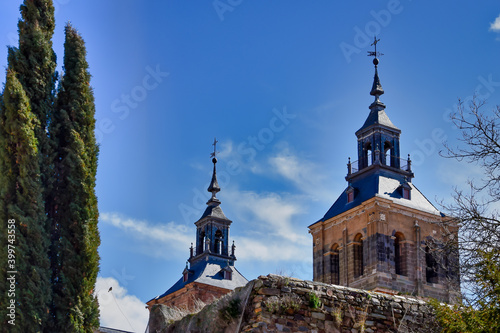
(476, 207)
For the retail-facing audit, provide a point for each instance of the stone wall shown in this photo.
(280, 304)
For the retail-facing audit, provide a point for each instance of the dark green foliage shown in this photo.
(488, 277)
(34, 62)
(314, 301)
(75, 237)
(28, 101)
(21, 200)
(485, 316)
(48, 164)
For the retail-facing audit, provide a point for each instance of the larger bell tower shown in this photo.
(382, 233)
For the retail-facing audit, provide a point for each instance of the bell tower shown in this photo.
(382, 233)
(378, 139)
(210, 272)
(212, 229)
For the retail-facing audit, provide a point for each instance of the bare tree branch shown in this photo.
(475, 209)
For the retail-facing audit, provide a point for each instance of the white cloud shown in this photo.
(171, 231)
(276, 250)
(495, 26)
(305, 175)
(308, 177)
(273, 230)
(118, 309)
(172, 235)
(458, 174)
(269, 213)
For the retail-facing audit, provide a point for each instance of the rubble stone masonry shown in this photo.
(281, 304)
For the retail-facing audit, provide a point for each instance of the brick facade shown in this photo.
(185, 297)
(384, 227)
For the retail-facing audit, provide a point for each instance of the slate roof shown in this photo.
(383, 186)
(378, 117)
(214, 211)
(209, 272)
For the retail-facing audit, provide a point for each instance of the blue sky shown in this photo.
(283, 86)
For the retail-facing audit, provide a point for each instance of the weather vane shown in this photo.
(375, 54)
(215, 148)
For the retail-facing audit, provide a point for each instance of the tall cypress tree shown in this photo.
(75, 304)
(48, 163)
(21, 202)
(27, 104)
(34, 62)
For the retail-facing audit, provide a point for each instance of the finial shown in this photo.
(214, 154)
(377, 89)
(214, 185)
(375, 53)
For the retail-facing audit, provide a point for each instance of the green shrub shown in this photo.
(314, 301)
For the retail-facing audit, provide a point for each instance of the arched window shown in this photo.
(431, 271)
(201, 243)
(367, 155)
(399, 254)
(358, 255)
(388, 154)
(335, 269)
(218, 242)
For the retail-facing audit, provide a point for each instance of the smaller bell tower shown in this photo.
(209, 272)
(212, 229)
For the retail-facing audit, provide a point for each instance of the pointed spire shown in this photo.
(377, 89)
(214, 185)
(377, 115)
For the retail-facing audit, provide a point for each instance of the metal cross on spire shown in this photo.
(215, 149)
(372, 53)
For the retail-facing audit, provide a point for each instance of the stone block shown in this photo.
(378, 316)
(269, 291)
(318, 315)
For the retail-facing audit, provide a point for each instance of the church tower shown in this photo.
(382, 233)
(209, 271)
